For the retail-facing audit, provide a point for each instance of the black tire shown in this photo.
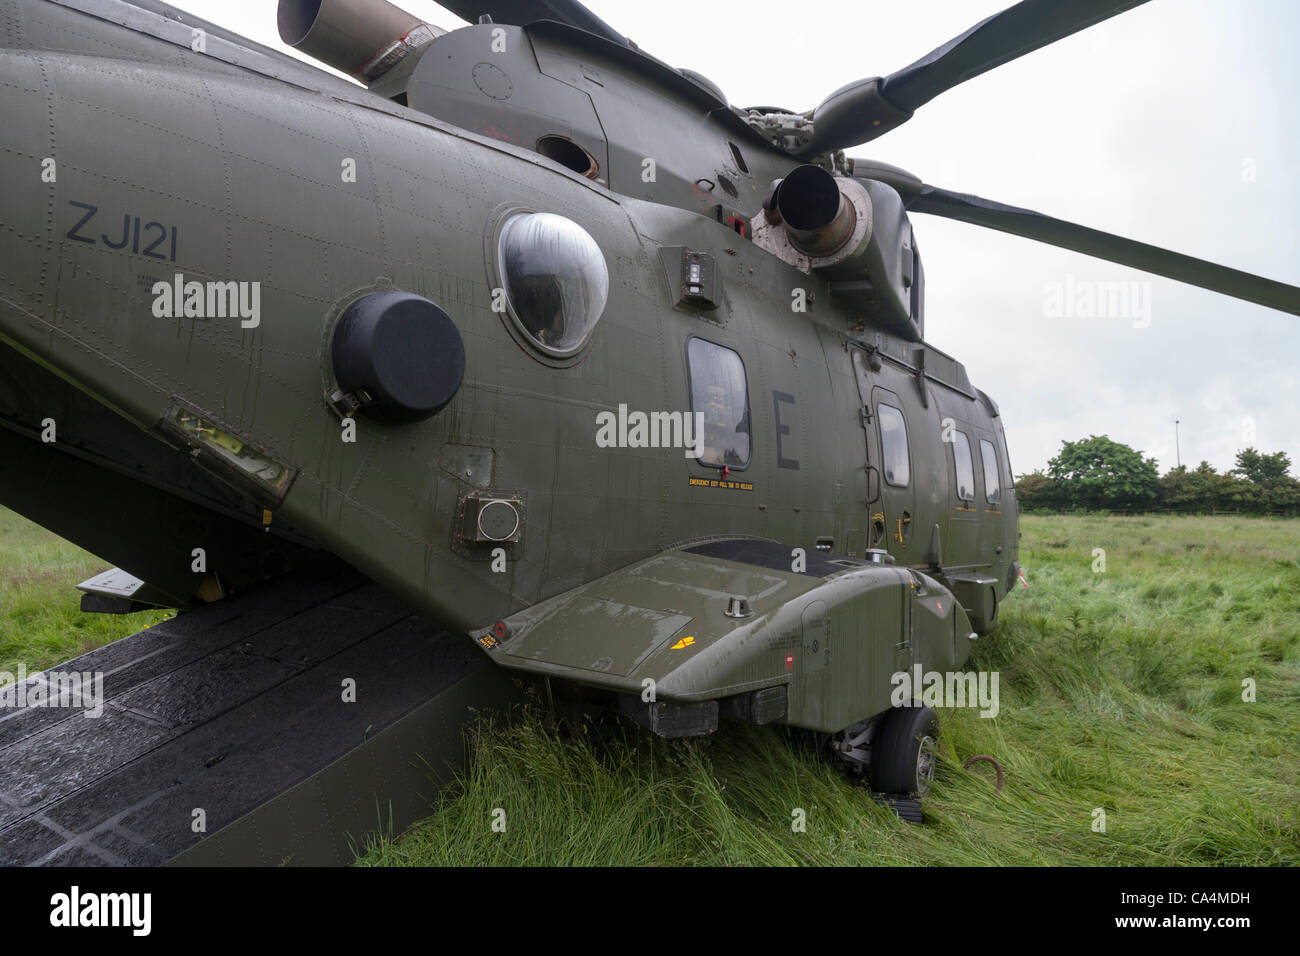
(981, 626)
(897, 766)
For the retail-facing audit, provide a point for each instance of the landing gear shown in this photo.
(993, 614)
(896, 749)
(903, 760)
(850, 749)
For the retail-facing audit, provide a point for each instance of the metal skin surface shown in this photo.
(827, 641)
(242, 171)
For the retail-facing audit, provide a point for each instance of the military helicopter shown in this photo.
(627, 385)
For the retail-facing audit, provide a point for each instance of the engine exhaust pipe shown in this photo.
(363, 38)
(818, 219)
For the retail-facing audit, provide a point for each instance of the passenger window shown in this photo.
(718, 389)
(965, 470)
(893, 445)
(992, 490)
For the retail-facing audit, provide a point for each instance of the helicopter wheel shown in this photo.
(904, 756)
(987, 626)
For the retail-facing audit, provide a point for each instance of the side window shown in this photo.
(718, 389)
(992, 489)
(1006, 461)
(893, 445)
(965, 470)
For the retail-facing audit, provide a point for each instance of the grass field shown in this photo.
(1121, 691)
(41, 623)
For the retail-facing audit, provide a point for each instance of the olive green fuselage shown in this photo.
(244, 179)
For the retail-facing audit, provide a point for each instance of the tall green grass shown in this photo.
(1121, 691)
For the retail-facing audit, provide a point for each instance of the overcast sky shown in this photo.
(1174, 124)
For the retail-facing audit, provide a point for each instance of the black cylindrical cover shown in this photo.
(399, 354)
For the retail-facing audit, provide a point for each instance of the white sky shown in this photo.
(1145, 126)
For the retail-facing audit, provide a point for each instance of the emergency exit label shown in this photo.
(720, 483)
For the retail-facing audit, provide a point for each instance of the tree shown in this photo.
(1096, 473)
(1036, 491)
(1261, 469)
(1285, 496)
(1192, 492)
(1177, 490)
(1235, 493)
(1265, 484)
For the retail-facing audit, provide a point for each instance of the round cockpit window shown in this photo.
(555, 279)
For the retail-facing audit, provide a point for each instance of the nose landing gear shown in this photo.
(895, 750)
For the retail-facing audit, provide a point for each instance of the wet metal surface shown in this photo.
(221, 710)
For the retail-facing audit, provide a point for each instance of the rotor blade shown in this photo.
(1001, 38)
(1104, 245)
(866, 109)
(523, 12)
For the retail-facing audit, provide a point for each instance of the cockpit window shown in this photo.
(555, 278)
(719, 390)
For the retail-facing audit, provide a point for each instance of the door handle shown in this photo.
(873, 470)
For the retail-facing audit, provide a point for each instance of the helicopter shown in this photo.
(625, 384)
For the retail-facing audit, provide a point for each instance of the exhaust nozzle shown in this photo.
(363, 38)
(818, 219)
